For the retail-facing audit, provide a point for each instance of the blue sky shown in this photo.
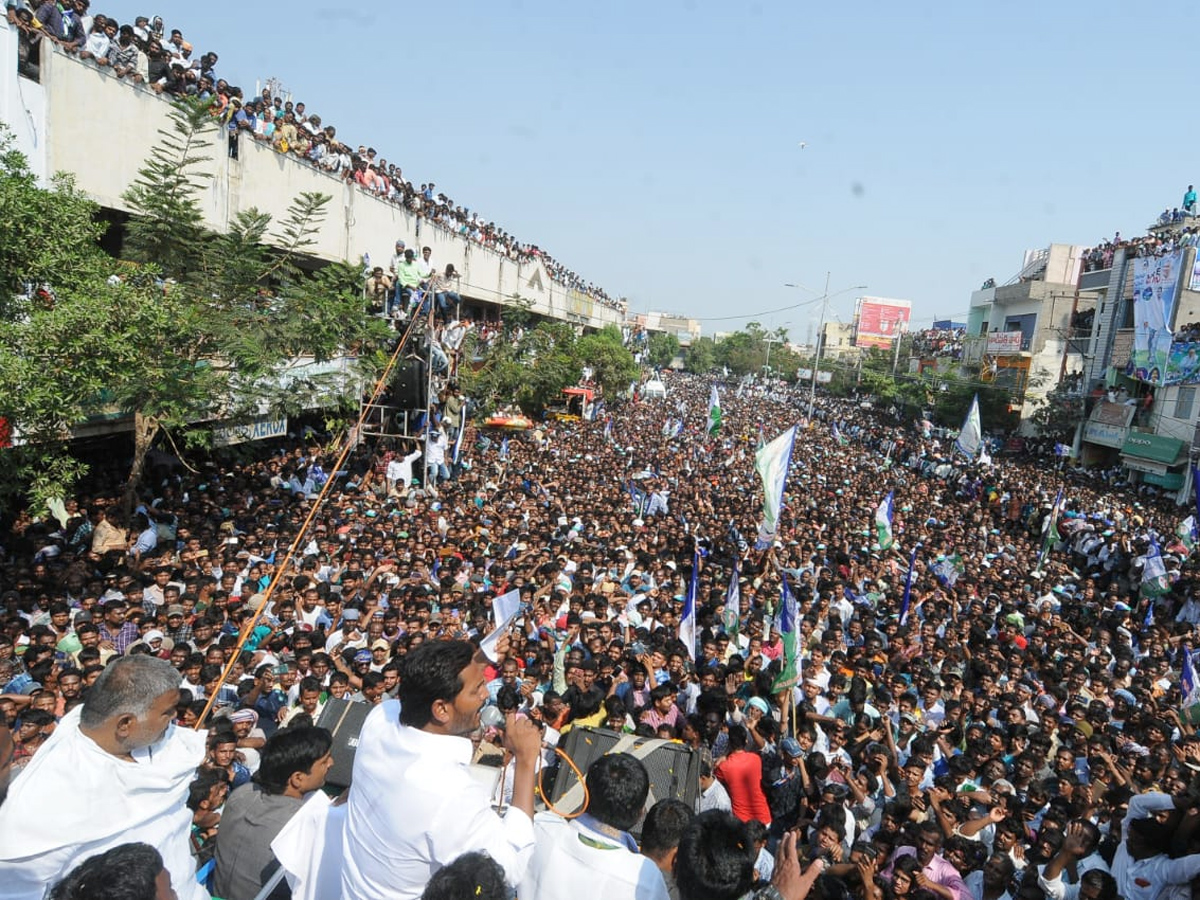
(654, 147)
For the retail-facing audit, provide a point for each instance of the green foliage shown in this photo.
(952, 398)
(167, 230)
(1058, 416)
(663, 348)
(530, 371)
(748, 350)
(701, 356)
(613, 365)
(218, 337)
(533, 370)
(46, 236)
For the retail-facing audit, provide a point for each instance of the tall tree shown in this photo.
(663, 348)
(701, 356)
(196, 327)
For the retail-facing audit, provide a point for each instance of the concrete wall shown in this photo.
(1166, 405)
(22, 105)
(105, 151)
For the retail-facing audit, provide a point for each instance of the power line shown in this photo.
(766, 312)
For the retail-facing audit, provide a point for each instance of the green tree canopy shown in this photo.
(194, 327)
(701, 356)
(663, 348)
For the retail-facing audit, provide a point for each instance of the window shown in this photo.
(1184, 401)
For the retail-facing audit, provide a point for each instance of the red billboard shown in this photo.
(881, 321)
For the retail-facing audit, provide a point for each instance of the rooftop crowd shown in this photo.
(148, 55)
(1101, 256)
(1020, 731)
(941, 342)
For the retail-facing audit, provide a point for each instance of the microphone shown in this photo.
(491, 717)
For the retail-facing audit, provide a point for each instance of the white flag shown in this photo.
(714, 412)
(970, 438)
(771, 463)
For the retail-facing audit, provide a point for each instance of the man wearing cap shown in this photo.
(178, 630)
(380, 651)
(250, 737)
(789, 785)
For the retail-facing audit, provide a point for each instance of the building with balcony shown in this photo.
(1148, 425)
(1029, 334)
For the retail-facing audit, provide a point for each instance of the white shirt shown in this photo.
(715, 797)
(414, 807)
(400, 470)
(1157, 876)
(435, 449)
(75, 800)
(574, 862)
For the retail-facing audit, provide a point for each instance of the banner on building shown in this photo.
(1183, 365)
(1155, 284)
(881, 321)
(226, 434)
(1194, 281)
(1004, 343)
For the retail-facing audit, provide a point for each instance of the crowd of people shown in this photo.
(999, 704)
(145, 53)
(939, 342)
(1101, 256)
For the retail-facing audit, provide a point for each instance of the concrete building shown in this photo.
(1029, 334)
(837, 341)
(685, 329)
(1150, 428)
(55, 124)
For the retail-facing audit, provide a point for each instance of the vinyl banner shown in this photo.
(1183, 366)
(881, 321)
(1155, 284)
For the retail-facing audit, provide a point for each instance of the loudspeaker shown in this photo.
(674, 768)
(344, 720)
(409, 384)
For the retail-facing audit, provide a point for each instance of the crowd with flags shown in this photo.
(929, 675)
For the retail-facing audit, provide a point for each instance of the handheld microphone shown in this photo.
(491, 717)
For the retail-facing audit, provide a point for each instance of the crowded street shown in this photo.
(1011, 708)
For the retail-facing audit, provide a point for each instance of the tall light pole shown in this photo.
(812, 390)
(825, 298)
(769, 342)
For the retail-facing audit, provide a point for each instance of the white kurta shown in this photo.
(75, 800)
(572, 862)
(414, 807)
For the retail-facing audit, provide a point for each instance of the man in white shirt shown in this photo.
(115, 771)
(399, 473)
(712, 793)
(414, 806)
(593, 857)
(1141, 866)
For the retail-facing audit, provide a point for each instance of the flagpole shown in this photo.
(812, 391)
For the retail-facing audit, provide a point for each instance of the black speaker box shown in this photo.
(674, 768)
(344, 720)
(410, 384)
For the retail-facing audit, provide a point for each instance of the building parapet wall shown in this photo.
(104, 153)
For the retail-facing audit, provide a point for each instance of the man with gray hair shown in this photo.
(115, 770)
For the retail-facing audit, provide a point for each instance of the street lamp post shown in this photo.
(812, 391)
(769, 342)
(825, 298)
